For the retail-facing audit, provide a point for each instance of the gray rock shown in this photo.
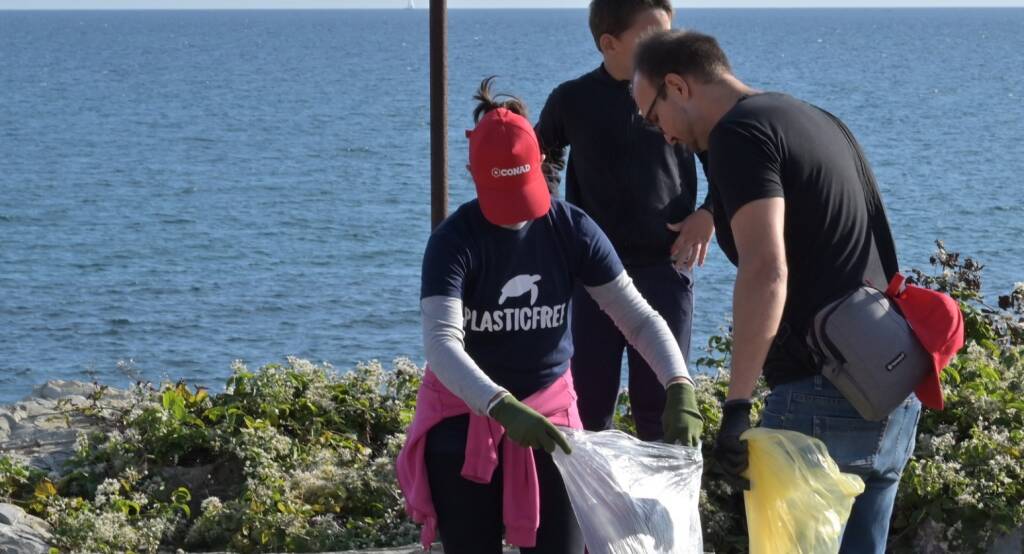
(15, 542)
(39, 429)
(1010, 544)
(21, 533)
(53, 390)
(10, 514)
(5, 426)
(16, 517)
(10, 418)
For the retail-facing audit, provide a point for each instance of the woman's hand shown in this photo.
(525, 427)
(681, 421)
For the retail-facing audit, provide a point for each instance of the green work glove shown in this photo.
(526, 427)
(681, 420)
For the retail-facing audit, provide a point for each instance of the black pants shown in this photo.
(469, 514)
(598, 346)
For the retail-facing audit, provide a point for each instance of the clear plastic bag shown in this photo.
(633, 497)
(798, 500)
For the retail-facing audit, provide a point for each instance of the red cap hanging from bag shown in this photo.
(937, 323)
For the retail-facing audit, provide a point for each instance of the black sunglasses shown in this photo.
(657, 94)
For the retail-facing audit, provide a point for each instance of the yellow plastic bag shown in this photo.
(798, 501)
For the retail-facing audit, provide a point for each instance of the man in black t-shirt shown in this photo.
(791, 214)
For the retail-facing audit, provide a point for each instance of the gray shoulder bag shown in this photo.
(861, 342)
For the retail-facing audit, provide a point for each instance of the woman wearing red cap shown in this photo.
(497, 278)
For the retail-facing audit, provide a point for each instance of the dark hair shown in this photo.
(614, 17)
(488, 101)
(685, 53)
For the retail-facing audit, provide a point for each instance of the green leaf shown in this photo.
(174, 403)
(45, 489)
(952, 374)
(181, 495)
(990, 345)
(215, 414)
(988, 372)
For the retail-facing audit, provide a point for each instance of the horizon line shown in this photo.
(511, 8)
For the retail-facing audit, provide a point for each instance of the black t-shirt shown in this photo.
(774, 146)
(621, 171)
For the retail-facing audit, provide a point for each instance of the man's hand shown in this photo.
(681, 421)
(691, 246)
(730, 451)
(525, 427)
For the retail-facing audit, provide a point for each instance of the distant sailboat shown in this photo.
(411, 5)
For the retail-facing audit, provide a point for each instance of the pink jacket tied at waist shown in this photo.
(521, 500)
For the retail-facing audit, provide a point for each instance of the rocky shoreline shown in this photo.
(41, 430)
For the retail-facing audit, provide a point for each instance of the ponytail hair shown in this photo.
(488, 101)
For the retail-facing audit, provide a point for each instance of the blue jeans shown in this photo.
(876, 451)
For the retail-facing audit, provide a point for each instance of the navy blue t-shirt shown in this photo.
(515, 287)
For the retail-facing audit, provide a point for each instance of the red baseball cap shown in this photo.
(938, 324)
(504, 159)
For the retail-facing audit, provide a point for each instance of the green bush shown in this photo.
(301, 459)
(297, 457)
(965, 486)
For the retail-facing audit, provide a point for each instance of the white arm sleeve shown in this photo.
(444, 346)
(643, 327)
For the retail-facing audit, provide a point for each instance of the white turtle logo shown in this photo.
(518, 286)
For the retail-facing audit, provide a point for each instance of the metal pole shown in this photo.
(438, 112)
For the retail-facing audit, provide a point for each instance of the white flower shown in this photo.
(108, 490)
(211, 506)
